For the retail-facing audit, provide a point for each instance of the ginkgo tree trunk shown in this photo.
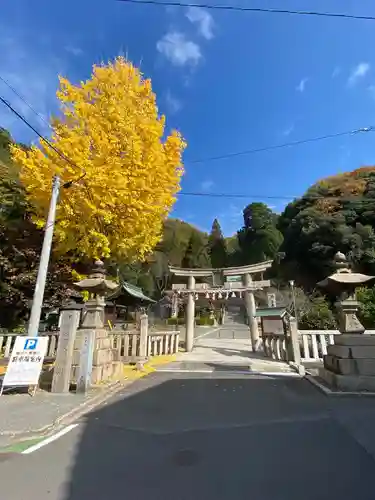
(110, 129)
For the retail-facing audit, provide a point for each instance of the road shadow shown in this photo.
(211, 438)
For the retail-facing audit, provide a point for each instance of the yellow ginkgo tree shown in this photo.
(111, 132)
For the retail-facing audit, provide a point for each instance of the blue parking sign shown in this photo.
(30, 344)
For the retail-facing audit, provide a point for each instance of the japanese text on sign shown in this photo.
(26, 361)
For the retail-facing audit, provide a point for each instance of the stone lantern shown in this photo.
(98, 361)
(350, 363)
(98, 287)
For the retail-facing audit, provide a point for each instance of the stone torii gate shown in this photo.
(245, 287)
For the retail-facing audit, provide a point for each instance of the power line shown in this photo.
(24, 100)
(228, 155)
(57, 151)
(284, 145)
(276, 197)
(238, 8)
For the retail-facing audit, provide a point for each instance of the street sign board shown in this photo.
(26, 361)
(234, 279)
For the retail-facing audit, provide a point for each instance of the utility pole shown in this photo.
(291, 283)
(40, 285)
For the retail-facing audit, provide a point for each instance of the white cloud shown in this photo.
(207, 185)
(336, 72)
(203, 20)
(360, 71)
(75, 51)
(173, 104)
(178, 49)
(302, 84)
(288, 131)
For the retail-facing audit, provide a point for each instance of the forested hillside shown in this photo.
(337, 213)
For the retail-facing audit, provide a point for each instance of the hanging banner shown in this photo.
(26, 361)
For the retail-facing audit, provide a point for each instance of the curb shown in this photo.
(106, 392)
(71, 415)
(330, 392)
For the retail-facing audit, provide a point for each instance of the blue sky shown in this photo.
(229, 81)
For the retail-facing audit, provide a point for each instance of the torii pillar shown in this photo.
(251, 311)
(190, 315)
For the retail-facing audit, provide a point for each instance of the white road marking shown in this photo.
(49, 439)
(207, 333)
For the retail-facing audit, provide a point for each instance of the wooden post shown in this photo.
(143, 336)
(68, 327)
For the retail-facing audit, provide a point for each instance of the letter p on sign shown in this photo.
(30, 344)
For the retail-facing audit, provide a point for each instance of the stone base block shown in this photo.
(350, 352)
(355, 340)
(74, 374)
(102, 356)
(101, 333)
(348, 383)
(97, 374)
(102, 343)
(350, 366)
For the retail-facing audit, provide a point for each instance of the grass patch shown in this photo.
(21, 446)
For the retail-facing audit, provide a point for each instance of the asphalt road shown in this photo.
(224, 436)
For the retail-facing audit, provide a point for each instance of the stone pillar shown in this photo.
(174, 306)
(143, 336)
(251, 310)
(294, 351)
(69, 322)
(190, 315)
(85, 360)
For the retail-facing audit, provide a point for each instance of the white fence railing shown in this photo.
(274, 346)
(7, 341)
(312, 344)
(125, 342)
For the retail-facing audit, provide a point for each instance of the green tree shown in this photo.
(217, 249)
(317, 315)
(366, 298)
(20, 246)
(336, 214)
(259, 239)
(195, 254)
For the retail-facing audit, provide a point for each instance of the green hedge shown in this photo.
(205, 321)
(176, 321)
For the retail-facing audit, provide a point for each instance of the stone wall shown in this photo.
(106, 364)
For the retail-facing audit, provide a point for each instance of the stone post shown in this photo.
(69, 322)
(190, 314)
(174, 306)
(251, 311)
(294, 351)
(143, 336)
(93, 321)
